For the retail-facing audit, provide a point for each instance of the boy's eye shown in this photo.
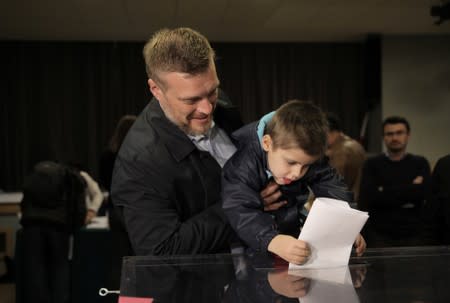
(291, 162)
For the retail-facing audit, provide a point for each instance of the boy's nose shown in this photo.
(297, 172)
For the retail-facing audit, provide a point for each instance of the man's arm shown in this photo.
(418, 190)
(372, 195)
(152, 216)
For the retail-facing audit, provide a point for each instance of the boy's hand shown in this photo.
(290, 249)
(360, 245)
(287, 285)
(270, 194)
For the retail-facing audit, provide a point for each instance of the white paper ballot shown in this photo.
(328, 285)
(325, 292)
(330, 230)
(99, 223)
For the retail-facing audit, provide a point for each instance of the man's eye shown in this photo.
(190, 101)
(214, 93)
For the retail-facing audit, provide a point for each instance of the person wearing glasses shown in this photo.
(394, 187)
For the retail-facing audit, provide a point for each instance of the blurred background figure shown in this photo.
(345, 154)
(394, 188)
(440, 181)
(120, 245)
(106, 166)
(54, 206)
(109, 154)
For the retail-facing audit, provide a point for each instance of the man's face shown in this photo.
(286, 165)
(188, 100)
(395, 137)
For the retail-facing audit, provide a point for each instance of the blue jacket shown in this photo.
(245, 175)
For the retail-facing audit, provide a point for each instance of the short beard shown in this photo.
(395, 150)
(190, 132)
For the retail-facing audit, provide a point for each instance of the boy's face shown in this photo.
(286, 165)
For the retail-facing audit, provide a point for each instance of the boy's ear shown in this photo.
(266, 142)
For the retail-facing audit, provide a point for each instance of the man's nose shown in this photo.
(205, 106)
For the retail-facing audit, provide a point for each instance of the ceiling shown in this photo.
(219, 20)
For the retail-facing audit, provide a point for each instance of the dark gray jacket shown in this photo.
(244, 176)
(169, 191)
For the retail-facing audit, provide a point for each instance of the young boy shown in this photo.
(287, 146)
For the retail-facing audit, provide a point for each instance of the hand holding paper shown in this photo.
(330, 230)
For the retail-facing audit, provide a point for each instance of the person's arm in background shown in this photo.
(94, 196)
(372, 195)
(415, 192)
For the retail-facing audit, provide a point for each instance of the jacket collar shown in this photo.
(176, 141)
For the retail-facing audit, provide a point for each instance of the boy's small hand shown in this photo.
(360, 245)
(270, 194)
(287, 285)
(290, 249)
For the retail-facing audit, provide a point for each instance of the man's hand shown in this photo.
(360, 245)
(418, 180)
(290, 249)
(287, 285)
(270, 195)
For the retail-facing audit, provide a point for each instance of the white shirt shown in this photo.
(216, 142)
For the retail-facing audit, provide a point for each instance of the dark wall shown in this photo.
(61, 100)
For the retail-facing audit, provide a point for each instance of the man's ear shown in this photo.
(155, 89)
(266, 142)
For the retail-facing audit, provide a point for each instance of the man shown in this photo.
(345, 154)
(167, 175)
(394, 187)
(441, 199)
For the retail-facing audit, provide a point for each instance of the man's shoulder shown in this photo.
(443, 161)
(417, 158)
(376, 158)
(141, 137)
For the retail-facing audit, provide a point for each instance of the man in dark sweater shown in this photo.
(394, 186)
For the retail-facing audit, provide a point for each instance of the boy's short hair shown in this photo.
(395, 120)
(177, 50)
(299, 124)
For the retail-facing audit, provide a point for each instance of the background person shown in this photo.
(394, 186)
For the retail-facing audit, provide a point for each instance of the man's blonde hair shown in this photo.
(177, 50)
(299, 124)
